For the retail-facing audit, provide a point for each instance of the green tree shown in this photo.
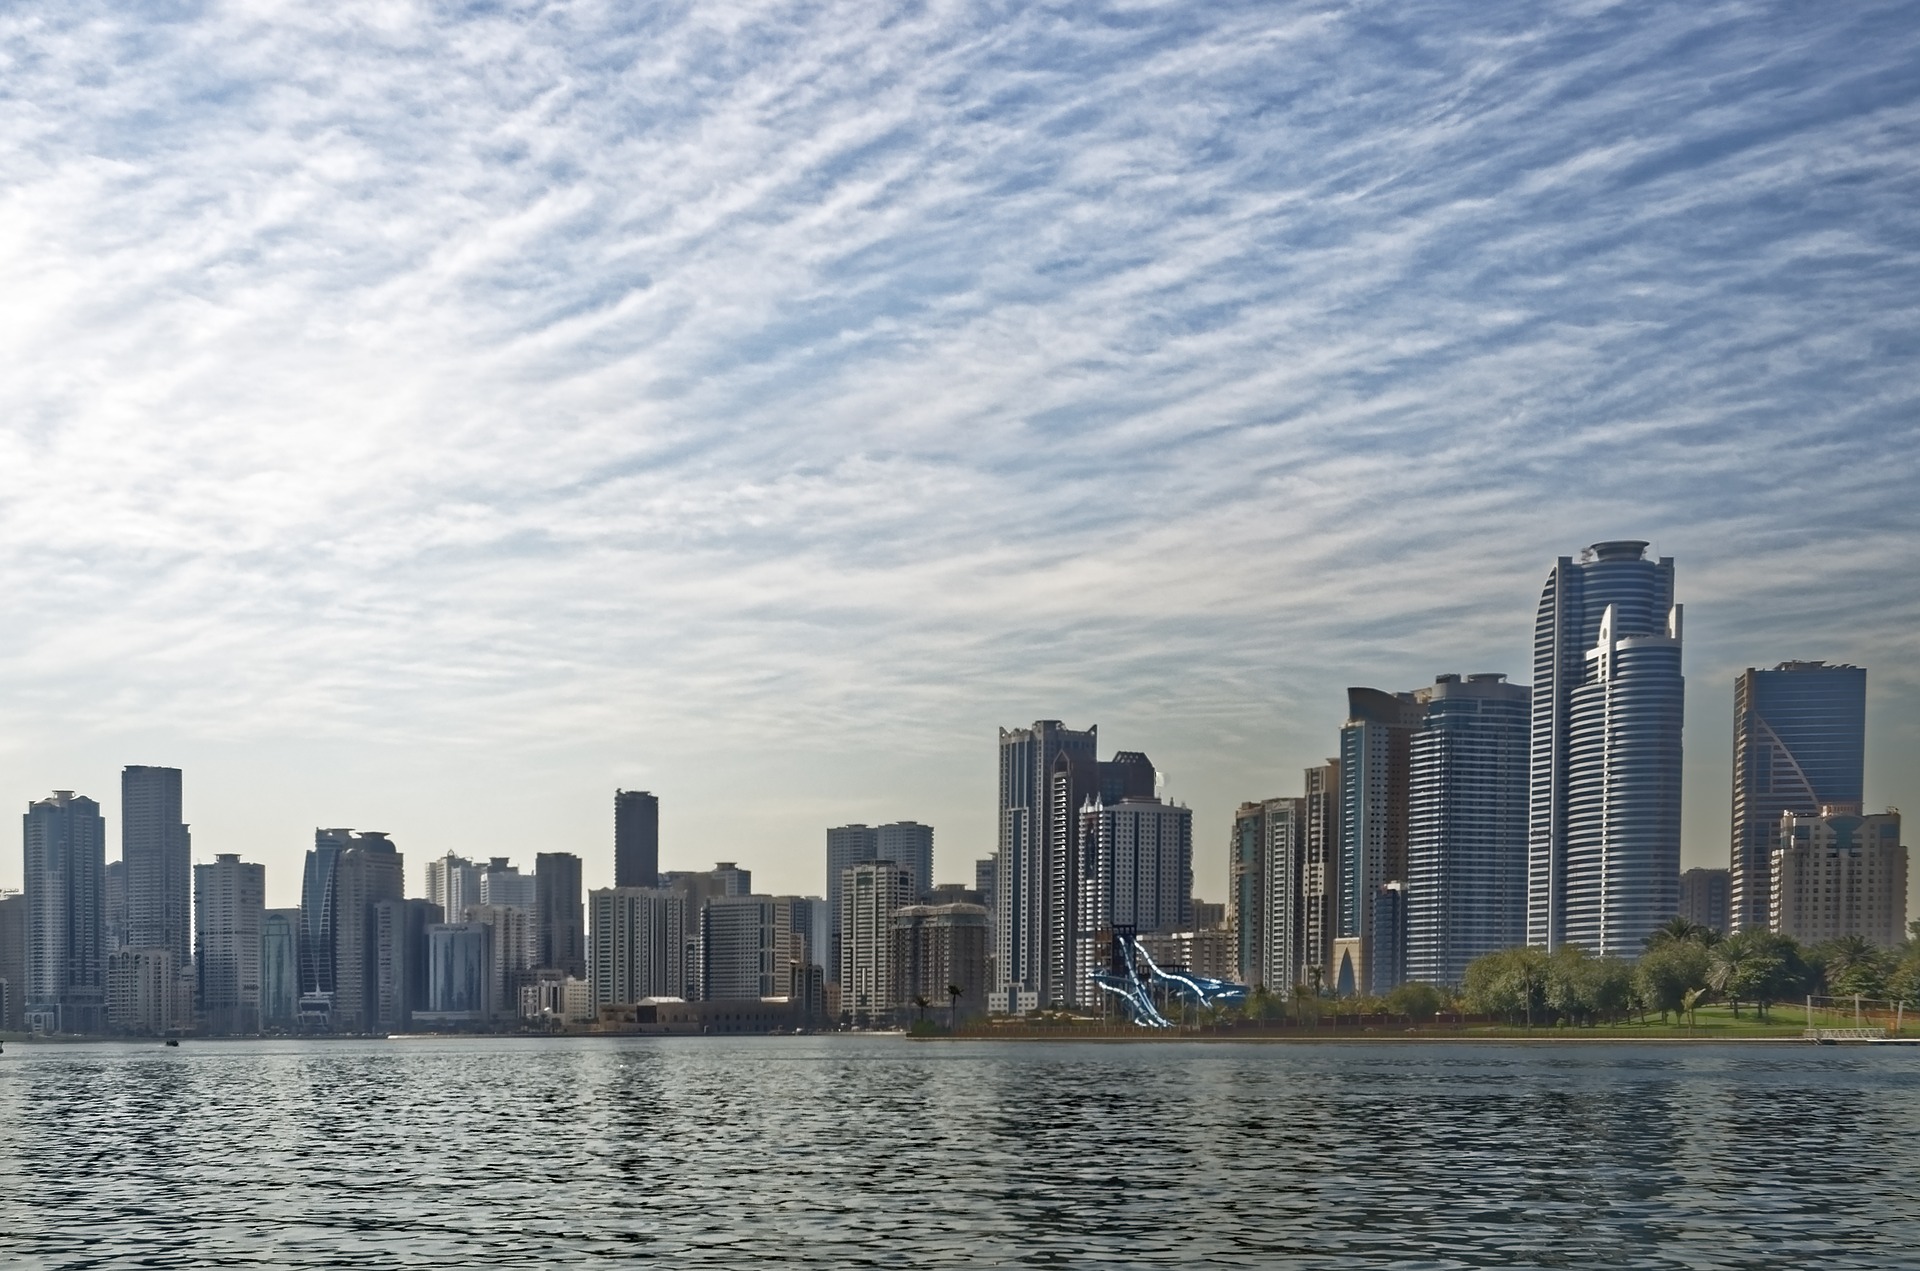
(1850, 966)
(1509, 983)
(1665, 973)
(1418, 1002)
(1757, 966)
(1568, 984)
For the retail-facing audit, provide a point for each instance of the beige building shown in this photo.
(146, 992)
(1840, 874)
(938, 946)
(870, 894)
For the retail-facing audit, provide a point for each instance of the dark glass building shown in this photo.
(1799, 743)
(636, 839)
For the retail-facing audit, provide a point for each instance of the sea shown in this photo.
(879, 1151)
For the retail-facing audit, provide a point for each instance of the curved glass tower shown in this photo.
(1603, 825)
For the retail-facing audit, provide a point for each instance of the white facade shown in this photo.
(636, 944)
(230, 898)
(1138, 860)
(870, 894)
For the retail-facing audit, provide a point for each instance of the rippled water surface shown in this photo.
(838, 1151)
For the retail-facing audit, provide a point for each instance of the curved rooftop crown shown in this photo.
(1618, 549)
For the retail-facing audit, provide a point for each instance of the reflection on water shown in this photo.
(841, 1151)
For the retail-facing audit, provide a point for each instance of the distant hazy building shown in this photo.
(1376, 746)
(909, 845)
(230, 897)
(502, 883)
(144, 993)
(562, 940)
(936, 947)
(847, 846)
(64, 841)
(157, 852)
(746, 946)
(460, 976)
(636, 942)
(116, 906)
(1704, 896)
(1605, 757)
(810, 927)
(1799, 744)
(1466, 882)
(510, 946)
(1137, 857)
(1267, 894)
(346, 874)
(280, 969)
(13, 960)
(700, 886)
(984, 871)
(1839, 873)
(1202, 951)
(636, 839)
(401, 961)
(453, 883)
(870, 894)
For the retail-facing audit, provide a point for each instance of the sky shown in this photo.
(429, 418)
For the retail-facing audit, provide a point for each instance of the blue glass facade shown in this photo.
(1799, 744)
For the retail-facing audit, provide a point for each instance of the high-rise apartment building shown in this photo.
(870, 894)
(502, 883)
(937, 948)
(1077, 784)
(280, 969)
(510, 952)
(810, 929)
(453, 883)
(747, 947)
(1605, 754)
(699, 886)
(13, 960)
(1029, 850)
(346, 874)
(156, 850)
(636, 839)
(116, 906)
(1322, 813)
(909, 845)
(1704, 898)
(230, 900)
(401, 961)
(64, 838)
(1838, 873)
(562, 940)
(637, 938)
(1376, 747)
(1799, 744)
(1466, 883)
(144, 994)
(1137, 855)
(1267, 897)
(847, 846)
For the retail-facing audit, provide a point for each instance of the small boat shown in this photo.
(173, 1041)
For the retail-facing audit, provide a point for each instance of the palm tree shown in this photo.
(920, 1004)
(954, 994)
(1678, 930)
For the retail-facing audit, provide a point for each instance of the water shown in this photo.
(849, 1151)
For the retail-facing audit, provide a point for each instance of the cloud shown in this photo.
(574, 389)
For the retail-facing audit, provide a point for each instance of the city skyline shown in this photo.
(408, 448)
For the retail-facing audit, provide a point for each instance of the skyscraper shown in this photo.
(637, 941)
(65, 846)
(563, 927)
(230, 898)
(1603, 825)
(155, 847)
(1322, 812)
(937, 948)
(1703, 898)
(13, 960)
(1029, 828)
(1466, 888)
(1078, 783)
(346, 874)
(1268, 893)
(1376, 746)
(908, 844)
(280, 969)
(1799, 744)
(453, 883)
(502, 883)
(401, 962)
(636, 839)
(747, 944)
(847, 846)
(1137, 855)
(870, 894)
